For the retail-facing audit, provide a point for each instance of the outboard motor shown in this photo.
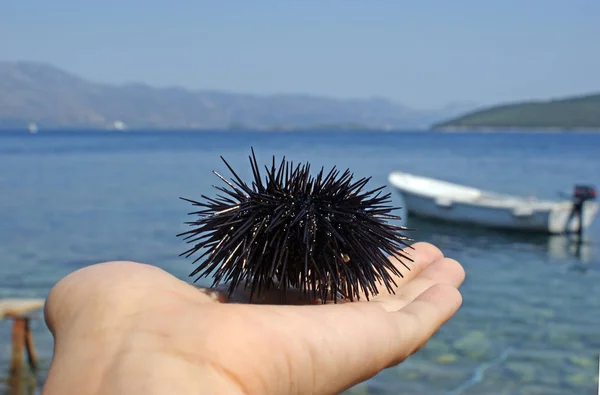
(581, 194)
(584, 193)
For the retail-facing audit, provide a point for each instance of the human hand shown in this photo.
(131, 328)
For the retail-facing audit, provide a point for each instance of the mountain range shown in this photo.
(54, 98)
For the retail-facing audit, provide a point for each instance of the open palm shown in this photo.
(130, 328)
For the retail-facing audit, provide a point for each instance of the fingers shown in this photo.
(422, 255)
(423, 317)
(361, 339)
(443, 271)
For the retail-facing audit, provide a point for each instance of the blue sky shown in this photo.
(421, 53)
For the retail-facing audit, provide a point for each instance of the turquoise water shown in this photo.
(530, 322)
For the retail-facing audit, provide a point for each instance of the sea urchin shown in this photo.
(322, 235)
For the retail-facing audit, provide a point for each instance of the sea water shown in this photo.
(530, 321)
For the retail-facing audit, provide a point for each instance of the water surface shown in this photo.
(531, 313)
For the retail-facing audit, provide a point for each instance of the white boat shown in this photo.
(33, 128)
(437, 199)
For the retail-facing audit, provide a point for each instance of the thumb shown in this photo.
(97, 290)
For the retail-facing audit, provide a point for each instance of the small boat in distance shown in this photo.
(437, 199)
(32, 127)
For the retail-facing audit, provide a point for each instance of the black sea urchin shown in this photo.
(322, 235)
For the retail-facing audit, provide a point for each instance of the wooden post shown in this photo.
(30, 345)
(18, 343)
(22, 337)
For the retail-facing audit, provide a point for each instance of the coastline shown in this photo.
(433, 129)
(512, 129)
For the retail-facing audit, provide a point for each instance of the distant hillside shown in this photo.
(53, 98)
(570, 113)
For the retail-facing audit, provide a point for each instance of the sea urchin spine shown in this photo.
(322, 235)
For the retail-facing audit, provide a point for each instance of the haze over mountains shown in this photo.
(54, 98)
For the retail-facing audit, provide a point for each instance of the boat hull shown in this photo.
(550, 221)
(520, 215)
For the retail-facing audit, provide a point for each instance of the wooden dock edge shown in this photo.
(18, 311)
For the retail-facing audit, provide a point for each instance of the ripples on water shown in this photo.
(531, 313)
